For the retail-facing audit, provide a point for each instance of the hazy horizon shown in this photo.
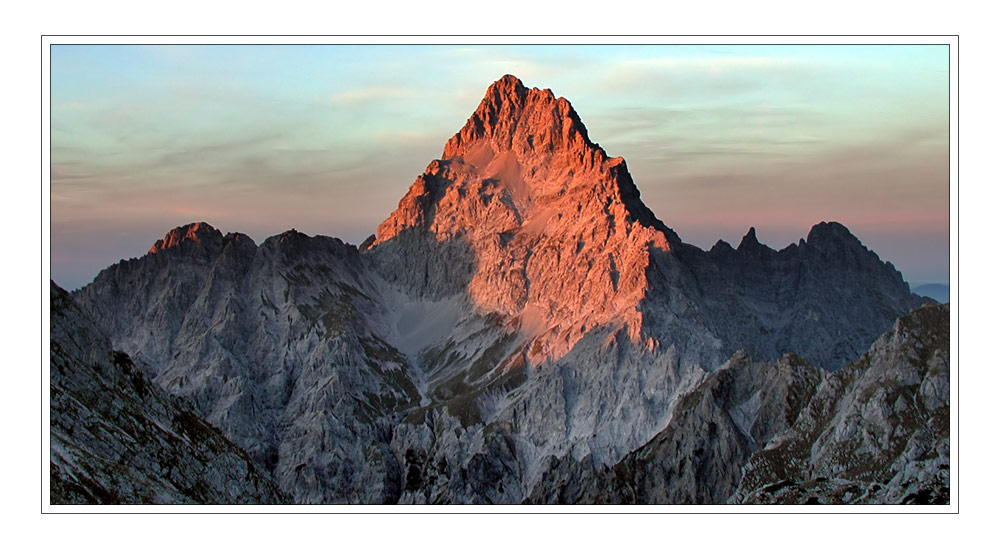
(327, 139)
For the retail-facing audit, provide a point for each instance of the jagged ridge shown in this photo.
(875, 432)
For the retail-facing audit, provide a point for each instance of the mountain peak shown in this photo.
(831, 232)
(509, 88)
(750, 239)
(520, 203)
(530, 121)
(509, 80)
(200, 233)
(521, 160)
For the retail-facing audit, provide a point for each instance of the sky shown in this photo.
(327, 139)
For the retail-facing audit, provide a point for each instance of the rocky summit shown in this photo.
(520, 321)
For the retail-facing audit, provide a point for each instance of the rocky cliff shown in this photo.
(876, 432)
(825, 298)
(118, 438)
(278, 345)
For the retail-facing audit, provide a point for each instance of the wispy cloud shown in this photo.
(371, 94)
(257, 140)
(711, 64)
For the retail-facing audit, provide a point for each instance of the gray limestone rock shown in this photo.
(697, 458)
(117, 438)
(875, 432)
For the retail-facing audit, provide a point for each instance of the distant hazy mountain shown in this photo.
(938, 292)
(521, 307)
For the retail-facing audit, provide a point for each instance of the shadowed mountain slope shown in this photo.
(876, 432)
(117, 438)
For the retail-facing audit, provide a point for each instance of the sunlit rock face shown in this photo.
(195, 235)
(521, 306)
(552, 229)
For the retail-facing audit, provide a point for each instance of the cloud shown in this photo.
(712, 64)
(371, 95)
(498, 61)
(892, 184)
(703, 77)
(716, 141)
(736, 129)
(214, 152)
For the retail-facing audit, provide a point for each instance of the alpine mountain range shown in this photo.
(521, 329)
